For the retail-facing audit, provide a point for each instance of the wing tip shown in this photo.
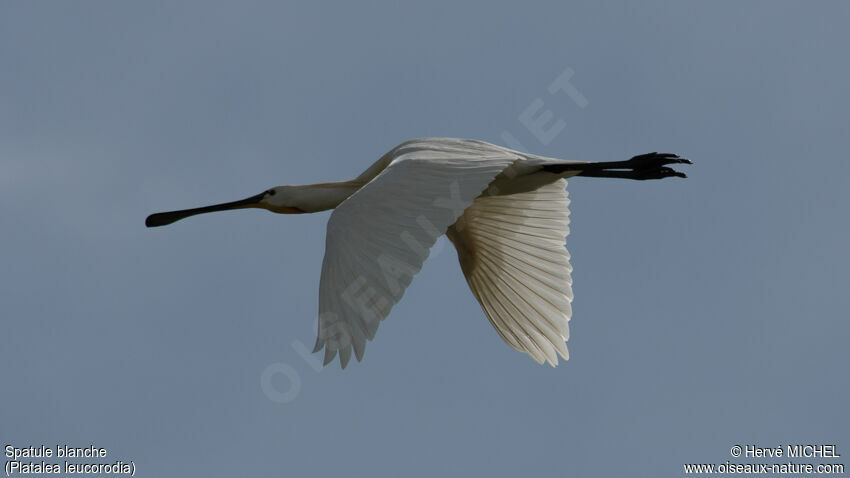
(343, 352)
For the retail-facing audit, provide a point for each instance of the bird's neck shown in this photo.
(324, 196)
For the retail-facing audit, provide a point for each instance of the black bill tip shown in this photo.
(162, 219)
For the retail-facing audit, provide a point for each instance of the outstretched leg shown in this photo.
(644, 166)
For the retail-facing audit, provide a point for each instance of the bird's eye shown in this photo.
(271, 192)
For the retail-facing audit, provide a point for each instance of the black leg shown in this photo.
(641, 167)
(643, 174)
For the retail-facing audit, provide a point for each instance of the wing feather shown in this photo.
(378, 238)
(512, 252)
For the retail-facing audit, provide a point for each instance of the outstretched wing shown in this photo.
(379, 237)
(512, 252)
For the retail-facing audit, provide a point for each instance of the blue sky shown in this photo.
(708, 312)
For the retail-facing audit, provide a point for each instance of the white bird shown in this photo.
(505, 212)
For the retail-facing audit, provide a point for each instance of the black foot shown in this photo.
(653, 166)
(644, 166)
(655, 160)
(657, 173)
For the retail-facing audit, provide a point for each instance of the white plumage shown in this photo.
(506, 213)
(511, 250)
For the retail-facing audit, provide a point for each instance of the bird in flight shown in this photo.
(506, 213)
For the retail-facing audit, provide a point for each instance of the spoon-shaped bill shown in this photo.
(165, 218)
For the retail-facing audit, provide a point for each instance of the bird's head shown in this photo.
(282, 200)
